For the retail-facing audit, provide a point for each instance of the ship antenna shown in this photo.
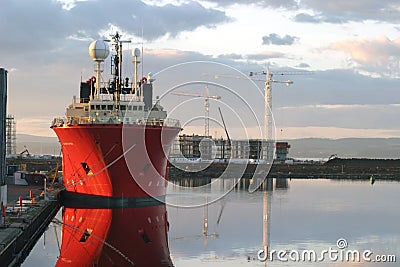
(142, 48)
(136, 55)
(117, 65)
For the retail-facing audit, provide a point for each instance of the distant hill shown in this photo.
(300, 148)
(38, 144)
(345, 148)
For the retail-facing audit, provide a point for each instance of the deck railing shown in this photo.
(58, 122)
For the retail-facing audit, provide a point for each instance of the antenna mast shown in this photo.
(117, 42)
(142, 47)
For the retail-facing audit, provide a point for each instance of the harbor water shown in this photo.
(350, 217)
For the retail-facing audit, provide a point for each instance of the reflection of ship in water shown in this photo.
(114, 144)
(114, 237)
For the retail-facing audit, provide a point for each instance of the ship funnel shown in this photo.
(99, 50)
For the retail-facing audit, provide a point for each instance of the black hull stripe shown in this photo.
(85, 201)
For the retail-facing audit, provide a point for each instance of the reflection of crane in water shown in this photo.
(267, 218)
(205, 225)
(205, 235)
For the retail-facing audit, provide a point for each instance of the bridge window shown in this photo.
(123, 107)
(97, 107)
(92, 107)
(103, 107)
(140, 107)
(110, 107)
(134, 107)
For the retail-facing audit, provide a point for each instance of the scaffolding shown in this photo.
(11, 135)
(195, 146)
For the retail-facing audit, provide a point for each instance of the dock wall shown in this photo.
(339, 169)
(18, 238)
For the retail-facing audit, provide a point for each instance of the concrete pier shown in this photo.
(22, 230)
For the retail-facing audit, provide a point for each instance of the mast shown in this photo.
(117, 60)
(136, 61)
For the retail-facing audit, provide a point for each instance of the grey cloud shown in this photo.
(44, 25)
(289, 4)
(337, 87)
(338, 11)
(358, 10)
(303, 65)
(232, 56)
(264, 56)
(275, 39)
(158, 20)
(307, 18)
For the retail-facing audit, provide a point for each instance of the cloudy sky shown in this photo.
(351, 47)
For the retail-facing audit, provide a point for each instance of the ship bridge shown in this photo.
(116, 101)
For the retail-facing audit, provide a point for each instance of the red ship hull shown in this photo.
(124, 164)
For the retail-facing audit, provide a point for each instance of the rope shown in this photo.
(100, 171)
(75, 171)
(57, 221)
(58, 243)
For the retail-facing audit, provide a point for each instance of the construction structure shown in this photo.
(206, 142)
(269, 138)
(281, 150)
(11, 136)
(194, 146)
(247, 149)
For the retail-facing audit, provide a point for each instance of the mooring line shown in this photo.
(100, 171)
(59, 222)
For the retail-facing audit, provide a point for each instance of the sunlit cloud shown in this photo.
(378, 54)
(338, 106)
(334, 132)
(167, 53)
(39, 126)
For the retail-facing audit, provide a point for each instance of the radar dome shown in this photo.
(136, 52)
(99, 50)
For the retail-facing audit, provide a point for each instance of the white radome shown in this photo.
(99, 50)
(136, 52)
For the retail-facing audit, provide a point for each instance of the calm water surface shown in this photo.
(304, 215)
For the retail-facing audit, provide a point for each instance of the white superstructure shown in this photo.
(116, 100)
